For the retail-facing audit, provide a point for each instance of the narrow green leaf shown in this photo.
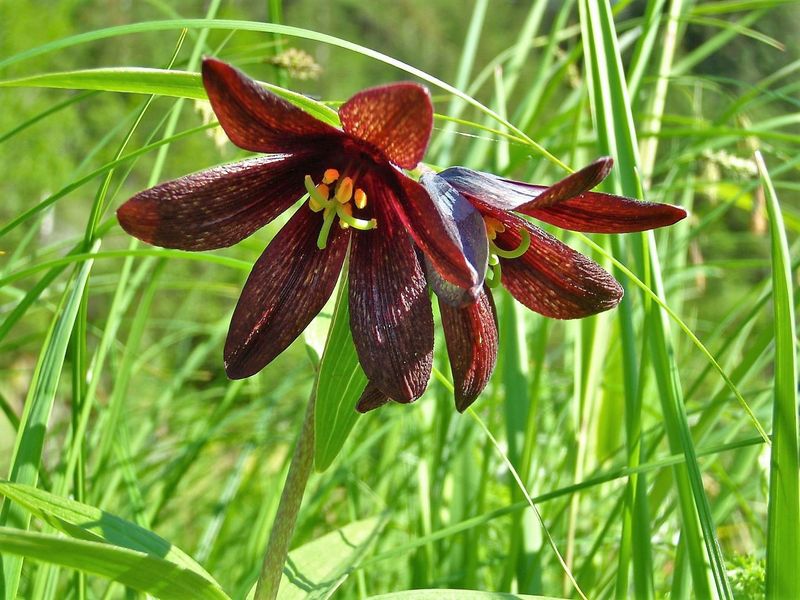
(315, 570)
(339, 386)
(614, 119)
(162, 82)
(86, 522)
(783, 519)
(272, 28)
(137, 570)
(456, 595)
(38, 406)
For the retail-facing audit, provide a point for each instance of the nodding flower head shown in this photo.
(538, 270)
(356, 198)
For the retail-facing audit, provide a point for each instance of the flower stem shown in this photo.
(285, 519)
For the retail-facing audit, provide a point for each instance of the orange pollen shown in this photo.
(320, 201)
(330, 176)
(324, 192)
(493, 227)
(360, 198)
(344, 191)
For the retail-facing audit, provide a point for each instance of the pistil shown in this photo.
(493, 227)
(522, 248)
(319, 200)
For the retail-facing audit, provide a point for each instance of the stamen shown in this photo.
(346, 216)
(360, 198)
(313, 203)
(330, 176)
(524, 244)
(344, 191)
(327, 220)
(317, 201)
(493, 227)
(346, 209)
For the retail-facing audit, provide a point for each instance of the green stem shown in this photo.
(278, 545)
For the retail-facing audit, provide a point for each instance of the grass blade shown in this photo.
(137, 570)
(783, 517)
(38, 406)
(82, 521)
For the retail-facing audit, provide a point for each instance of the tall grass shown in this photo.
(648, 451)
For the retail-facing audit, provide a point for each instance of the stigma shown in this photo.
(334, 197)
(494, 227)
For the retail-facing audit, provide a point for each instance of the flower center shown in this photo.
(340, 204)
(493, 227)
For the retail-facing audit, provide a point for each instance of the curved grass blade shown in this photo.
(137, 570)
(85, 522)
(162, 82)
(224, 24)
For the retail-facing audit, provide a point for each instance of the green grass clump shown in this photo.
(657, 443)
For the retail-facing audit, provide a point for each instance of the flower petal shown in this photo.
(436, 227)
(489, 189)
(471, 336)
(573, 184)
(463, 225)
(256, 119)
(595, 212)
(371, 399)
(567, 203)
(390, 313)
(553, 279)
(506, 194)
(218, 207)
(288, 286)
(396, 118)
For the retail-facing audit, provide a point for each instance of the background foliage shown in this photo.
(649, 473)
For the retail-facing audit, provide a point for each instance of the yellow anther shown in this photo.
(360, 198)
(313, 201)
(348, 210)
(493, 227)
(330, 176)
(314, 205)
(344, 191)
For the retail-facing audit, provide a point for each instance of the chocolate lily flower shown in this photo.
(357, 197)
(538, 270)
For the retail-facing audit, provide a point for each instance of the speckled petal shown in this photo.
(397, 119)
(553, 279)
(371, 399)
(288, 286)
(390, 312)
(218, 207)
(471, 336)
(256, 119)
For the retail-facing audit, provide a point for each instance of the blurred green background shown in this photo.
(200, 460)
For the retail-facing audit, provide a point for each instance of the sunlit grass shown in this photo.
(635, 433)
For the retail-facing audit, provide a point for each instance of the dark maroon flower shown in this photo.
(357, 197)
(538, 270)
